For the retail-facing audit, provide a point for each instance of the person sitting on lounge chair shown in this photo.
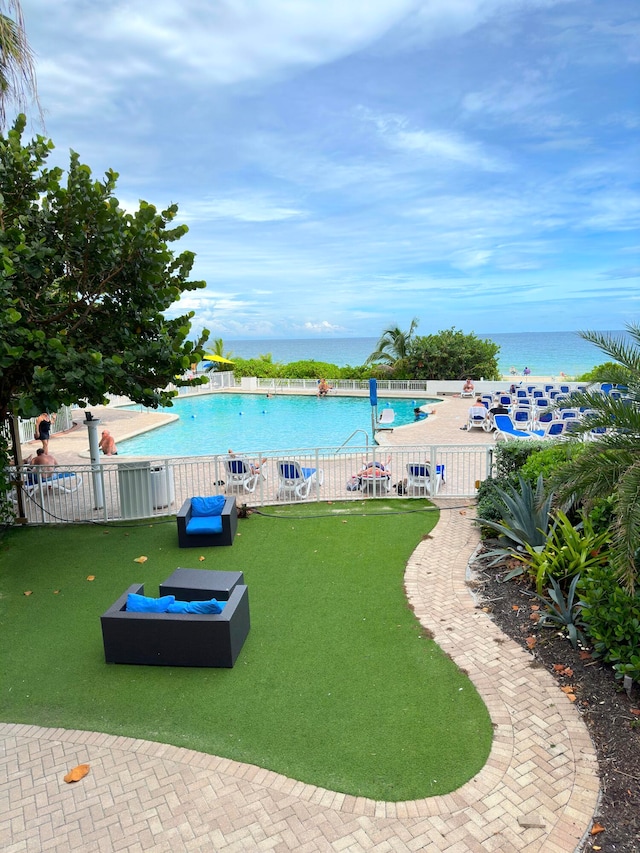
(254, 466)
(467, 388)
(42, 458)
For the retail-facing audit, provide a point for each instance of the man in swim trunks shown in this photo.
(107, 444)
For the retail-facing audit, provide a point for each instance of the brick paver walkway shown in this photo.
(537, 792)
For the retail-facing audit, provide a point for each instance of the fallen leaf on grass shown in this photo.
(91, 577)
(28, 592)
(77, 773)
(56, 592)
(201, 558)
(140, 559)
(596, 828)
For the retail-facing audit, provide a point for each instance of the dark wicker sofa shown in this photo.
(176, 639)
(229, 517)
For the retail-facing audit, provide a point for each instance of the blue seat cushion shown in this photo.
(204, 524)
(207, 507)
(212, 606)
(144, 604)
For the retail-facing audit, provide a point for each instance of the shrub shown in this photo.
(512, 455)
(548, 459)
(612, 619)
(610, 371)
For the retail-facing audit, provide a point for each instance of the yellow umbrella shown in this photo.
(217, 358)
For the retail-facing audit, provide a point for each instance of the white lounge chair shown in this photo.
(419, 478)
(60, 481)
(477, 417)
(294, 481)
(240, 475)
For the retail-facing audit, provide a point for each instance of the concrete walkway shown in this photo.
(537, 792)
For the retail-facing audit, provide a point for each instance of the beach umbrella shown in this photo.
(219, 358)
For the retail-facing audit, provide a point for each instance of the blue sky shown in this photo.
(344, 165)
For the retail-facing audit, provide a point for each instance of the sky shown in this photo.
(347, 165)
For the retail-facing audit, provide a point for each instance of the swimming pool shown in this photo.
(213, 423)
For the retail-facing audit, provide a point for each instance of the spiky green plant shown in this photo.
(610, 463)
(526, 515)
(564, 613)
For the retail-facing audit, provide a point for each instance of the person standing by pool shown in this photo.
(43, 430)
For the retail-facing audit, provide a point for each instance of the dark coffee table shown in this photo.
(200, 584)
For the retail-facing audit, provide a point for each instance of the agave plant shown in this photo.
(526, 516)
(564, 612)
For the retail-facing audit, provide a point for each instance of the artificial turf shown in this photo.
(336, 684)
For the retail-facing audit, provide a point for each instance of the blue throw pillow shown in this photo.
(212, 606)
(202, 507)
(143, 604)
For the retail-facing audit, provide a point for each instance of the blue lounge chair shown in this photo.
(294, 481)
(505, 429)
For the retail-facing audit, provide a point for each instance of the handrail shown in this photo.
(355, 432)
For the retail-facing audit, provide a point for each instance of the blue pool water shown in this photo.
(216, 422)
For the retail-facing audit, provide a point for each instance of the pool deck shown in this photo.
(537, 792)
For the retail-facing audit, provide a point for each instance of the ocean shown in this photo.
(544, 353)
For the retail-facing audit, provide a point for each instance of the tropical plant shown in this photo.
(525, 518)
(548, 459)
(610, 461)
(564, 613)
(217, 350)
(567, 552)
(17, 68)
(393, 345)
(510, 456)
(452, 354)
(612, 620)
(610, 371)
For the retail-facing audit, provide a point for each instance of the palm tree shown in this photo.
(17, 69)
(393, 346)
(218, 349)
(610, 462)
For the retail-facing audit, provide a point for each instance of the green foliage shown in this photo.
(489, 501)
(601, 514)
(564, 613)
(608, 464)
(452, 354)
(568, 551)
(309, 370)
(525, 517)
(510, 456)
(83, 288)
(548, 459)
(393, 346)
(610, 371)
(612, 619)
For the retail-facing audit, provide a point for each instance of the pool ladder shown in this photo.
(355, 432)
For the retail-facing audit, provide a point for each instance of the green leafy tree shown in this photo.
(393, 346)
(610, 461)
(17, 70)
(452, 354)
(83, 288)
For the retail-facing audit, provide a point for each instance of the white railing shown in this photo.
(116, 490)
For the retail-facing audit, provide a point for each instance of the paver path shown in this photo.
(142, 796)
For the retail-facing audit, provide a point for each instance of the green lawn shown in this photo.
(335, 686)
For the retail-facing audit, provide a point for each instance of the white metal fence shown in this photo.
(119, 489)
